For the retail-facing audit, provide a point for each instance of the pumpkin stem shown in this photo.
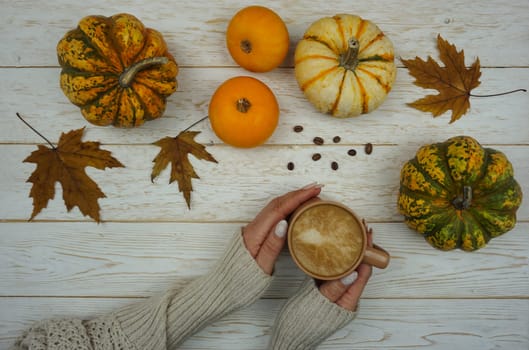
(243, 105)
(125, 79)
(349, 59)
(461, 203)
(246, 46)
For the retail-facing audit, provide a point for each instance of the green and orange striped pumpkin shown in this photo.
(345, 65)
(116, 70)
(459, 194)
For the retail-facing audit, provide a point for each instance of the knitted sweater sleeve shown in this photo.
(307, 319)
(161, 322)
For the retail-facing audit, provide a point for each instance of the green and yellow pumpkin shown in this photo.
(116, 70)
(459, 194)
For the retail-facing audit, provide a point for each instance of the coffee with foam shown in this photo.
(327, 240)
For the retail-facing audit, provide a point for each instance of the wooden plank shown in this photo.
(140, 259)
(429, 324)
(195, 31)
(240, 184)
(490, 119)
(65, 265)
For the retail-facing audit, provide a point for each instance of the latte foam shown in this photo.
(327, 240)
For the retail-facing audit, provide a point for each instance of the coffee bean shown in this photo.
(316, 157)
(290, 166)
(351, 152)
(318, 141)
(334, 166)
(369, 148)
(336, 139)
(298, 128)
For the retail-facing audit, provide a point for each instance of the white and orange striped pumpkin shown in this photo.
(345, 65)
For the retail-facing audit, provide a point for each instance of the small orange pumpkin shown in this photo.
(243, 112)
(257, 39)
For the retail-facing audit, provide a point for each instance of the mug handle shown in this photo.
(376, 256)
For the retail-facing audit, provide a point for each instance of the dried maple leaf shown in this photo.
(175, 150)
(66, 164)
(454, 81)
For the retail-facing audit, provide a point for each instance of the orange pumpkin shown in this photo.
(257, 39)
(116, 70)
(243, 112)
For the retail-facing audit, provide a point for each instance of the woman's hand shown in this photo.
(346, 292)
(265, 236)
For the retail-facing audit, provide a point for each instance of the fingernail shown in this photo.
(312, 185)
(347, 280)
(281, 229)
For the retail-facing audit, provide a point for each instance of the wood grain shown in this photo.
(392, 123)
(63, 264)
(195, 31)
(140, 259)
(381, 324)
(241, 183)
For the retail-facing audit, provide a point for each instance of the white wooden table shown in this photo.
(64, 264)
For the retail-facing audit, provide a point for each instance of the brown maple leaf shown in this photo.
(175, 150)
(66, 164)
(454, 81)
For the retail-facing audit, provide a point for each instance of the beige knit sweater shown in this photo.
(165, 321)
